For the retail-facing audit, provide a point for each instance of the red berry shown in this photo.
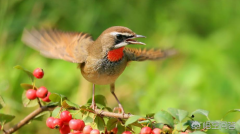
(183, 133)
(65, 116)
(87, 129)
(76, 132)
(31, 94)
(65, 129)
(95, 131)
(57, 123)
(146, 130)
(126, 132)
(49, 122)
(38, 73)
(76, 124)
(157, 131)
(114, 130)
(166, 129)
(42, 92)
(46, 99)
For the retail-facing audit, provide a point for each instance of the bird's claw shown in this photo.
(93, 106)
(119, 109)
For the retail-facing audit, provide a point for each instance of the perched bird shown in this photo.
(101, 61)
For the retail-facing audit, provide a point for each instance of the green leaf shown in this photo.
(237, 125)
(63, 96)
(41, 116)
(65, 105)
(99, 99)
(28, 103)
(181, 127)
(197, 132)
(2, 103)
(132, 119)
(229, 131)
(56, 111)
(164, 117)
(189, 123)
(26, 71)
(137, 124)
(88, 119)
(145, 122)
(121, 129)
(202, 112)
(231, 111)
(109, 109)
(234, 110)
(68, 104)
(55, 97)
(178, 114)
(5, 118)
(112, 122)
(82, 109)
(150, 115)
(232, 131)
(158, 125)
(26, 86)
(52, 104)
(99, 123)
(100, 106)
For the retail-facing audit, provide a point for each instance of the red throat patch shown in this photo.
(116, 54)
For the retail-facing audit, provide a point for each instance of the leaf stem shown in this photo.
(39, 103)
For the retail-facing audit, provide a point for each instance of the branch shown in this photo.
(111, 114)
(4, 131)
(51, 108)
(28, 118)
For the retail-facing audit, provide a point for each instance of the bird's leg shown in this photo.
(112, 89)
(93, 105)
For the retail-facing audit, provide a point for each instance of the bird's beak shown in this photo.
(132, 41)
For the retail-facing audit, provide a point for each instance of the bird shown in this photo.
(101, 61)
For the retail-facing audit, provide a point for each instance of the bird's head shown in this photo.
(113, 40)
(117, 37)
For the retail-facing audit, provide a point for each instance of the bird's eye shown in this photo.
(119, 37)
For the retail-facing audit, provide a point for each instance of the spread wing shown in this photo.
(59, 45)
(141, 55)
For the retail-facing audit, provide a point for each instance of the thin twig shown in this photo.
(39, 103)
(4, 131)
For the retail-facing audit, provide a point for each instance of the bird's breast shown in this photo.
(102, 71)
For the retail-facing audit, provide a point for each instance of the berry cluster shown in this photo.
(65, 123)
(148, 130)
(41, 92)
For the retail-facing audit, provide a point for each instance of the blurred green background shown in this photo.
(205, 74)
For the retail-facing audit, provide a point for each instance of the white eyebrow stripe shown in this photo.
(115, 33)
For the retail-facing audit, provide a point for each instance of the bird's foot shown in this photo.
(93, 106)
(119, 109)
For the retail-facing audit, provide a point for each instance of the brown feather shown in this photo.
(59, 45)
(143, 54)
